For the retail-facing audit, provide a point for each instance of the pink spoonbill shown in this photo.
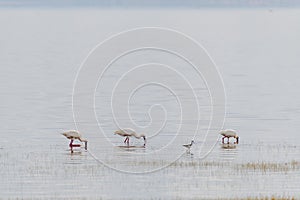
(74, 135)
(128, 132)
(228, 133)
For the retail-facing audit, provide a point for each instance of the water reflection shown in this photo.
(228, 146)
(75, 153)
(131, 148)
(189, 154)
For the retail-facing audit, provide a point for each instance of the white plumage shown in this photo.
(228, 133)
(128, 132)
(74, 135)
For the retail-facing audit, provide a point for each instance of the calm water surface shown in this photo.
(256, 52)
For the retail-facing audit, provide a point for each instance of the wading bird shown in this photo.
(188, 146)
(127, 132)
(228, 133)
(74, 135)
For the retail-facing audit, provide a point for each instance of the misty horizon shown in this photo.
(152, 4)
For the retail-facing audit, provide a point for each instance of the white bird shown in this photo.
(74, 135)
(188, 146)
(128, 132)
(228, 133)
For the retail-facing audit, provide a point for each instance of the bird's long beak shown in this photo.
(85, 145)
(237, 140)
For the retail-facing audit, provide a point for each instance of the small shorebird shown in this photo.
(228, 133)
(74, 135)
(128, 132)
(188, 146)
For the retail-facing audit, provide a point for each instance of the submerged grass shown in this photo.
(250, 166)
(237, 198)
(264, 198)
(41, 166)
(269, 166)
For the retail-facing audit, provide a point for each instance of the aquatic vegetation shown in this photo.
(252, 166)
(269, 166)
(265, 198)
(187, 173)
(176, 164)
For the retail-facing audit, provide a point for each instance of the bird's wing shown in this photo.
(72, 133)
(128, 131)
(230, 132)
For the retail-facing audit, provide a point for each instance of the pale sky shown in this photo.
(150, 3)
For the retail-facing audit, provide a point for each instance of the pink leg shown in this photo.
(125, 139)
(228, 140)
(71, 145)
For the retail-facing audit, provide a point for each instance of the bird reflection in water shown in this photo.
(228, 146)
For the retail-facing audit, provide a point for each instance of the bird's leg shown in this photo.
(126, 141)
(223, 139)
(71, 145)
(188, 150)
(228, 140)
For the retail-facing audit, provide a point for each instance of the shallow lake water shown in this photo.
(256, 52)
